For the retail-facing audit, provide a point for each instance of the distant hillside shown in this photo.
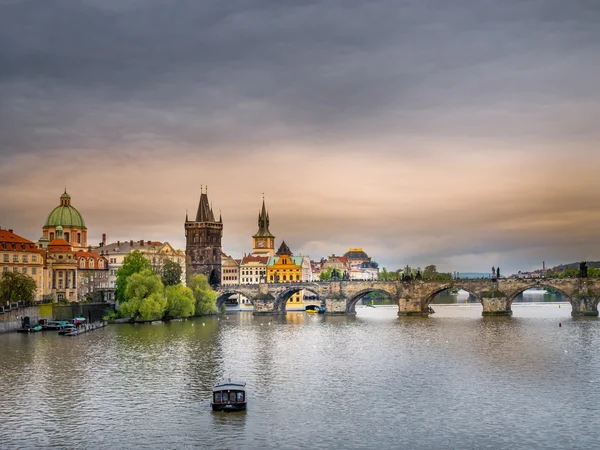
(575, 265)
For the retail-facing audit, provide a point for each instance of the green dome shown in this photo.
(65, 215)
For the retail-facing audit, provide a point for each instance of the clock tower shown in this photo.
(263, 242)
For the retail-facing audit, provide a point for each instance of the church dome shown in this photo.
(65, 215)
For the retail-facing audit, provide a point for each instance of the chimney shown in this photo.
(103, 239)
(10, 230)
(89, 248)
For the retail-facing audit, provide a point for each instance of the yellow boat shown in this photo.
(312, 311)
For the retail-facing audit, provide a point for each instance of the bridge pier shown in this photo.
(264, 304)
(412, 307)
(584, 306)
(337, 306)
(496, 306)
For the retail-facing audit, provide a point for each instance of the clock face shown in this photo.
(260, 244)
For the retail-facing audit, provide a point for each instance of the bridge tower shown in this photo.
(203, 243)
(263, 242)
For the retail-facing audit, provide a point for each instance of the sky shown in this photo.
(460, 133)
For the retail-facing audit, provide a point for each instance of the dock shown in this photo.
(85, 328)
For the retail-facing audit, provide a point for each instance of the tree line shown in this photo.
(145, 295)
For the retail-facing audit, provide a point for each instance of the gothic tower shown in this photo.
(263, 242)
(203, 243)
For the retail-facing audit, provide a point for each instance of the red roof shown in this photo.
(59, 245)
(259, 259)
(8, 237)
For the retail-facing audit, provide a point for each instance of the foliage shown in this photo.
(135, 262)
(180, 301)
(205, 297)
(145, 294)
(171, 273)
(223, 308)
(17, 287)
(110, 315)
(430, 271)
(330, 273)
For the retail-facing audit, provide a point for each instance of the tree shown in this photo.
(17, 287)
(330, 273)
(383, 275)
(146, 297)
(205, 297)
(171, 273)
(430, 271)
(180, 301)
(134, 262)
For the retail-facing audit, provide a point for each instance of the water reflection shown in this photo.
(314, 381)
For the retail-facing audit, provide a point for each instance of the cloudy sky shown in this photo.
(464, 133)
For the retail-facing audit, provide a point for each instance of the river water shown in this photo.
(453, 380)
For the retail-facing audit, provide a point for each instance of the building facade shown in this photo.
(230, 270)
(18, 254)
(116, 252)
(284, 267)
(203, 243)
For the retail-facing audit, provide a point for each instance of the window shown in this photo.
(24, 270)
(67, 237)
(34, 271)
(51, 236)
(92, 264)
(82, 264)
(15, 258)
(34, 258)
(6, 257)
(5, 269)
(15, 269)
(60, 284)
(79, 238)
(25, 259)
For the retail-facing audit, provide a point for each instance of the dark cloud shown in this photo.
(87, 74)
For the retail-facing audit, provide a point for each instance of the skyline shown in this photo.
(462, 135)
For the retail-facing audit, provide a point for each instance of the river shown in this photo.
(453, 380)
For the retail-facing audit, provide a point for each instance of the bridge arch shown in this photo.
(283, 297)
(449, 287)
(352, 301)
(515, 293)
(222, 296)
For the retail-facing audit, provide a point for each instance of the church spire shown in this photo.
(263, 222)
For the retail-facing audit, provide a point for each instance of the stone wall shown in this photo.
(93, 312)
(11, 321)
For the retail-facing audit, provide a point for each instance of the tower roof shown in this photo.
(263, 223)
(284, 249)
(65, 214)
(205, 213)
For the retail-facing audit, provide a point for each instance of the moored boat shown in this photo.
(229, 396)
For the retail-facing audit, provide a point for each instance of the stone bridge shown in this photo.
(413, 297)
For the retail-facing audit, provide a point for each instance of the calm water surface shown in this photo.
(454, 380)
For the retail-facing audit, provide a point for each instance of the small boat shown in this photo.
(68, 329)
(229, 396)
(314, 309)
(30, 330)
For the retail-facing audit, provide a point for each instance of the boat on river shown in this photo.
(314, 309)
(229, 396)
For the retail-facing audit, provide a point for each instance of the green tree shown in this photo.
(383, 275)
(180, 301)
(171, 273)
(205, 297)
(134, 262)
(330, 273)
(430, 271)
(146, 297)
(593, 272)
(17, 287)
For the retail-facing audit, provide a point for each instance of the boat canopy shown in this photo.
(229, 385)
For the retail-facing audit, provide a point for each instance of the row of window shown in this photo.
(24, 270)
(67, 237)
(230, 278)
(255, 272)
(15, 258)
(91, 264)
